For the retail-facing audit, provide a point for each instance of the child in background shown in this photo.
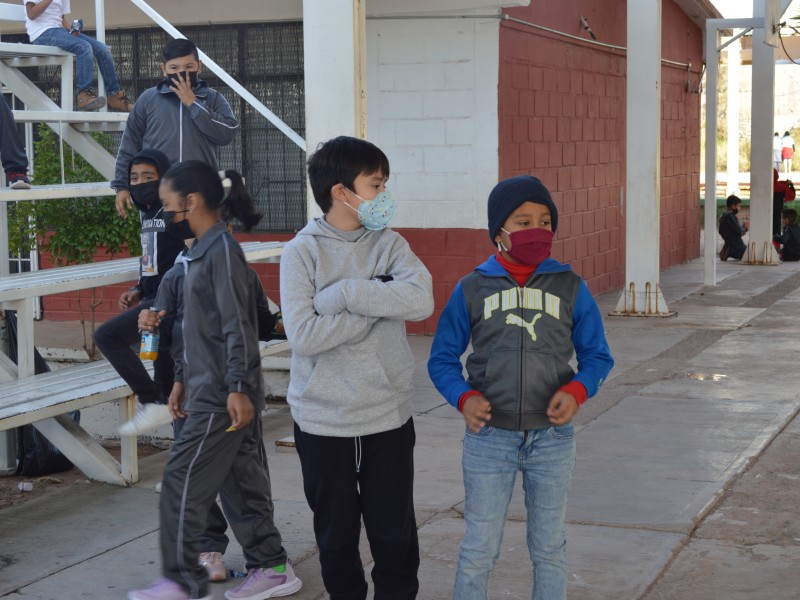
(115, 338)
(348, 284)
(220, 448)
(789, 239)
(731, 230)
(526, 315)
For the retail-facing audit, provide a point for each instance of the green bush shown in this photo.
(74, 230)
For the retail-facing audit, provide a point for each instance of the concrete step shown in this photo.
(82, 121)
(56, 192)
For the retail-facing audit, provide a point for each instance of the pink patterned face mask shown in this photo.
(529, 246)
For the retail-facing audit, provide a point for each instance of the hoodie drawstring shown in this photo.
(358, 454)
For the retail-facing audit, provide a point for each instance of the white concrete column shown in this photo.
(761, 133)
(334, 45)
(734, 68)
(642, 295)
(710, 203)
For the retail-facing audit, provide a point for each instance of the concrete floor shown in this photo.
(686, 486)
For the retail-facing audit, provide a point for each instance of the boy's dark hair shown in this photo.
(733, 200)
(341, 160)
(197, 177)
(790, 215)
(178, 48)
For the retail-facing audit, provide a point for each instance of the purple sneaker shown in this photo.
(266, 583)
(162, 589)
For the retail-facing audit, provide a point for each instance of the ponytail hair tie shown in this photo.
(227, 184)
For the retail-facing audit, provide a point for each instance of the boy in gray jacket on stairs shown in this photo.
(347, 286)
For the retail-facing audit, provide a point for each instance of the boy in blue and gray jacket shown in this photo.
(525, 314)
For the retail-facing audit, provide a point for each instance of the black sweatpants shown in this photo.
(214, 538)
(372, 477)
(206, 460)
(116, 339)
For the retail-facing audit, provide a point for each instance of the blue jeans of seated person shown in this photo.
(490, 463)
(83, 47)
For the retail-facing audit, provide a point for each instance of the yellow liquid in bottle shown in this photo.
(148, 350)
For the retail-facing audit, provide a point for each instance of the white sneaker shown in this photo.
(151, 416)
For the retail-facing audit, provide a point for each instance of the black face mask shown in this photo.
(145, 195)
(190, 75)
(179, 229)
(735, 211)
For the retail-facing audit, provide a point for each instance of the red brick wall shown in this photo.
(562, 118)
(449, 254)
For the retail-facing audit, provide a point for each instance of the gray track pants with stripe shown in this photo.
(204, 461)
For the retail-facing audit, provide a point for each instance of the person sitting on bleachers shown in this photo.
(12, 152)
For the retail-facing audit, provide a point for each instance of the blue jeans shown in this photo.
(83, 47)
(490, 462)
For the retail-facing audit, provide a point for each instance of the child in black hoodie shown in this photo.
(789, 239)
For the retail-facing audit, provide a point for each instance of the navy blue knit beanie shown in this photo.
(509, 194)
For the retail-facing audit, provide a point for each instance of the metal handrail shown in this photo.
(208, 62)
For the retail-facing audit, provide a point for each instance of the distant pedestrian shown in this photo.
(782, 192)
(787, 151)
(777, 158)
(525, 315)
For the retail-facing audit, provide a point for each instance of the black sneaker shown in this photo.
(18, 180)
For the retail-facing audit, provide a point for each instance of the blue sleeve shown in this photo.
(452, 338)
(589, 338)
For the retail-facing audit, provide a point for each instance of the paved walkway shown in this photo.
(693, 401)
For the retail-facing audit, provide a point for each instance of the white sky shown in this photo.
(733, 9)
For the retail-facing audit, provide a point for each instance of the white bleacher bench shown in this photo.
(45, 400)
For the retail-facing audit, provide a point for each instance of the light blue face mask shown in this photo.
(375, 214)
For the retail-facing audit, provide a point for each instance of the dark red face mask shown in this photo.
(530, 246)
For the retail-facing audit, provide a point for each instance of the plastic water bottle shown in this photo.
(148, 350)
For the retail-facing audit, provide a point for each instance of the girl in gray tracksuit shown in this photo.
(220, 449)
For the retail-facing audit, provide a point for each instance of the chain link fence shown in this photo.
(267, 58)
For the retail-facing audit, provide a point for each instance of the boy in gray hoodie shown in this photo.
(347, 285)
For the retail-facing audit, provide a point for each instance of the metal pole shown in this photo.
(100, 23)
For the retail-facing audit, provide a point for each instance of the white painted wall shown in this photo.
(432, 105)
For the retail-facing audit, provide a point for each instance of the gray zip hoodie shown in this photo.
(352, 368)
(160, 120)
(220, 330)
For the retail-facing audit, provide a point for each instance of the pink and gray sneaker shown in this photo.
(163, 589)
(273, 582)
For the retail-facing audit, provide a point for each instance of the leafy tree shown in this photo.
(73, 230)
